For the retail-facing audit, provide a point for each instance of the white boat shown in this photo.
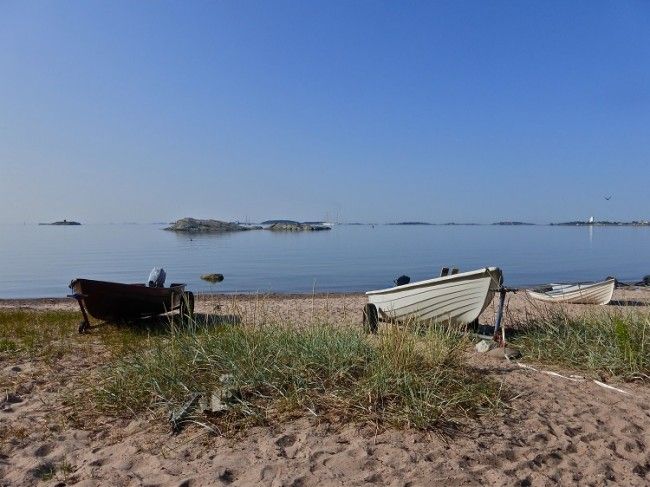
(457, 298)
(593, 293)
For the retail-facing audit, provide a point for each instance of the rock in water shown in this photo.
(212, 277)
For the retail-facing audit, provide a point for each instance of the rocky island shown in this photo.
(193, 225)
(290, 226)
(273, 222)
(64, 222)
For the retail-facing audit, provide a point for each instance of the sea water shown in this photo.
(40, 261)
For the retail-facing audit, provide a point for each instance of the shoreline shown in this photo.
(288, 294)
(298, 309)
(11, 302)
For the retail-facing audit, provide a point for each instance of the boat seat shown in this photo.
(444, 271)
(454, 271)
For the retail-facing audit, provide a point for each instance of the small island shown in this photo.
(291, 226)
(194, 225)
(273, 222)
(64, 222)
(508, 223)
(410, 223)
(454, 224)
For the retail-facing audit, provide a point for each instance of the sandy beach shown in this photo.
(556, 430)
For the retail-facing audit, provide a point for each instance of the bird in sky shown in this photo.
(607, 197)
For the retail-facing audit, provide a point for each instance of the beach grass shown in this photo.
(270, 373)
(602, 343)
(267, 369)
(36, 332)
(53, 333)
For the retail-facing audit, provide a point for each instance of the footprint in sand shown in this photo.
(285, 441)
(642, 470)
(43, 450)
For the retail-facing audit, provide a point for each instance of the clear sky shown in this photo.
(376, 111)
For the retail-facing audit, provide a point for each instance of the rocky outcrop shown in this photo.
(64, 222)
(193, 225)
(296, 227)
(273, 222)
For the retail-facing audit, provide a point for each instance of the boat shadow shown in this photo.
(628, 302)
(171, 323)
(487, 331)
(213, 319)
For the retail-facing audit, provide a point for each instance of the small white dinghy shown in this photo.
(455, 298)
(593, 293)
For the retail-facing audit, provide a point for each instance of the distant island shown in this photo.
(591, 223)
(410, 223)
(291, 226)
(273, 222)
(194, 225)
(512, 223)
(64, 222)
(432, 224)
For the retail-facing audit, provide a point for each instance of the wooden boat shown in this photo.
(111, 301)
(592, 293)
(458, 298)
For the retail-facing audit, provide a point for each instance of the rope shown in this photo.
(574, 378)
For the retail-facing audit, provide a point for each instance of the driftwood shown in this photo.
(176, 418)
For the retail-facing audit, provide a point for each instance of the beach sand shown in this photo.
(556, 431)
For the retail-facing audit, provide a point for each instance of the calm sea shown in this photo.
(40, 261)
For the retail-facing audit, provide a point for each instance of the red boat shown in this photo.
(114, 301)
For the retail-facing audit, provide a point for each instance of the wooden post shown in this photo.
(497, 325)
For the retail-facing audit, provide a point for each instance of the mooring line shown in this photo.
(574, 378)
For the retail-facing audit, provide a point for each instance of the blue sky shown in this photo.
(376, 111)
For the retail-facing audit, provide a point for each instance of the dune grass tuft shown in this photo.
(266, 369)
(274, 372)
(616, 344)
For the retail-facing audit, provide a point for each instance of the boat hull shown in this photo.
(597, 293)
(117, 301)
(456, 299)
